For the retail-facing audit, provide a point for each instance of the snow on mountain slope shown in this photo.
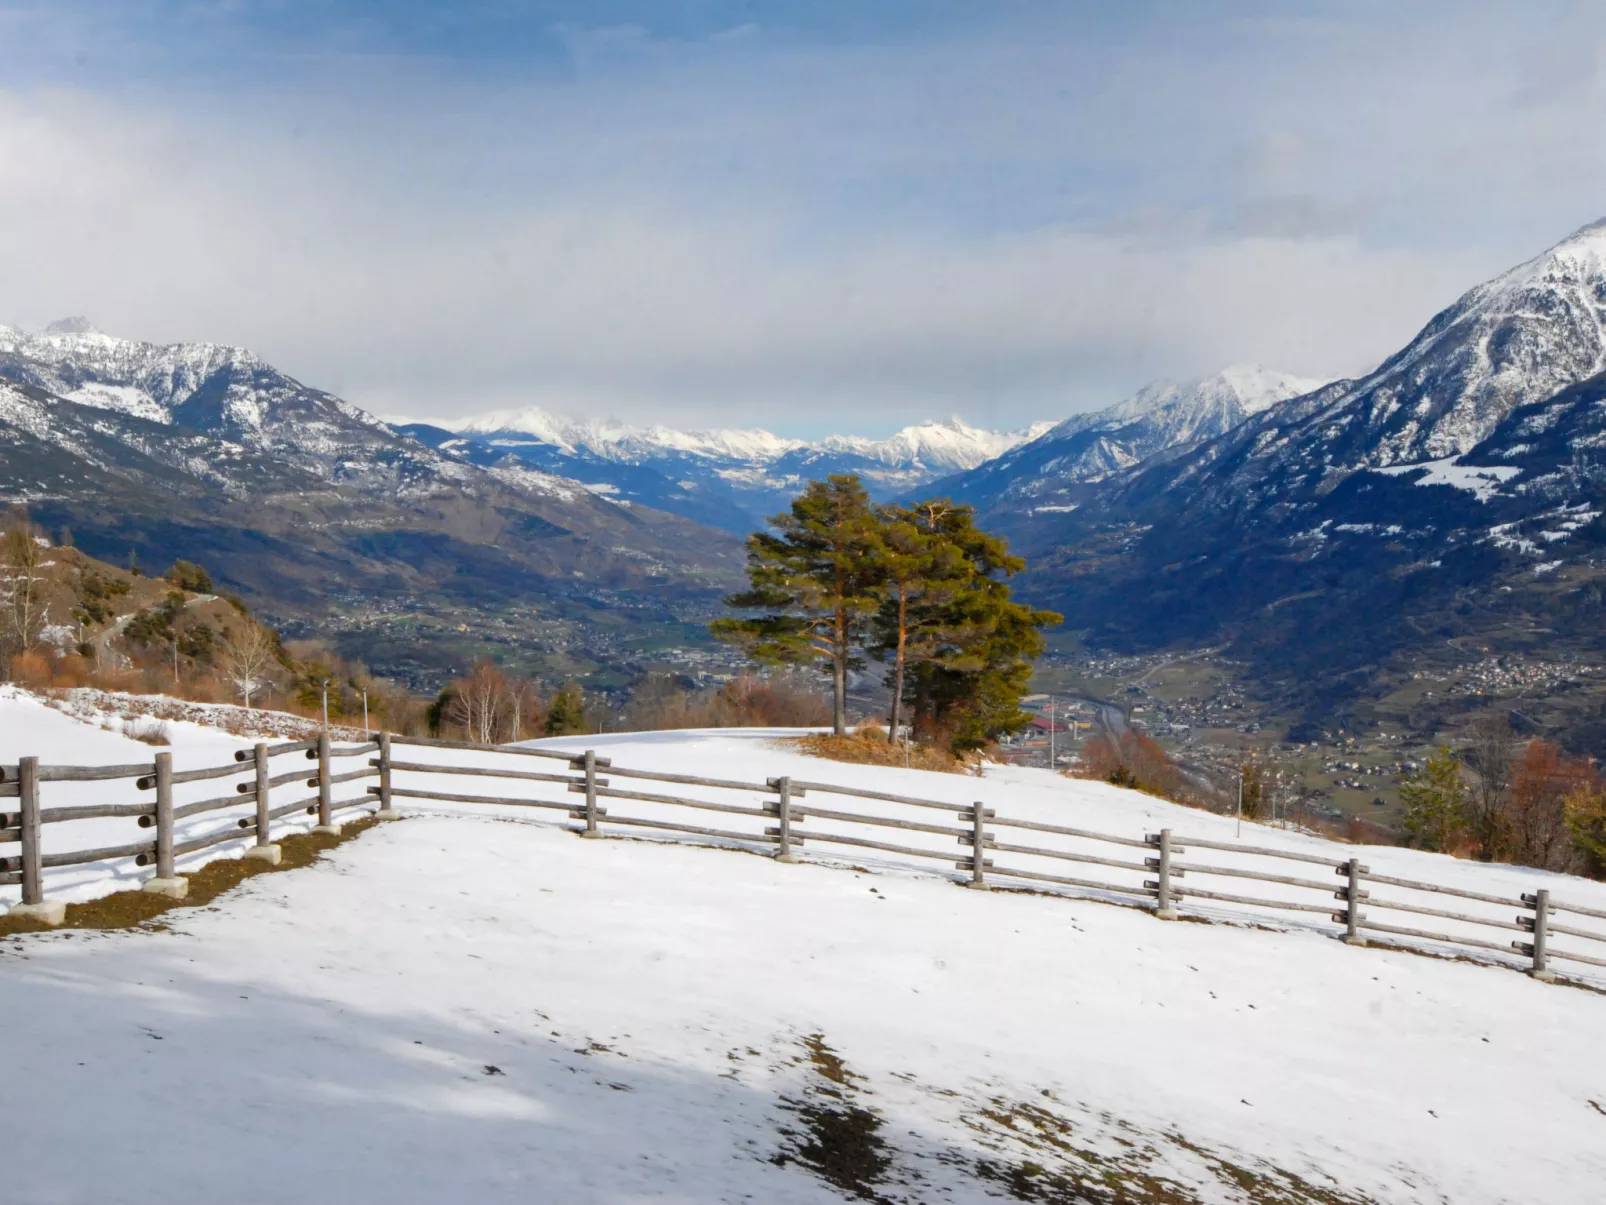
(458, 1007)
(1162, 418)
(942, 445)
(728, 478)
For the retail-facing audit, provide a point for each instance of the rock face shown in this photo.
(730, 479)
(332, 521)
(1334, 535)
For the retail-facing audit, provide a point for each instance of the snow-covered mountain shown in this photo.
(314, 507)
(1162, 419)
(729, 478)
(1455, 491)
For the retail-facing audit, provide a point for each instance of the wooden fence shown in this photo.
(1156, 869)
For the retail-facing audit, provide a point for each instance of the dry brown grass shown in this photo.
(868, 746)
(131, 909)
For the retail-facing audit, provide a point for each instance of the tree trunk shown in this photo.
(897, 669)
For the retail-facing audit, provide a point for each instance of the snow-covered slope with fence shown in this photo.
(472, 1004)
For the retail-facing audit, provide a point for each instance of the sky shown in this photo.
(812, 217)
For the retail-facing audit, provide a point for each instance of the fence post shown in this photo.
(387, 810)
(978, 848)
(326, 822)
(264, 850)
(1164, 909)
(34, 904)
(166, 882)
(1540, 903)
(1352, 897)
(783, 812)
(589, 764)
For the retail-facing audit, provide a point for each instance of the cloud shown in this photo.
(742, 225)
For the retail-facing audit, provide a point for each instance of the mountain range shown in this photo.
(1450, 499)
(330, 521)
(730, 479)
(1334, 535)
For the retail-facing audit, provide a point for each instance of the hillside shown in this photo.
(1418, 519)
(331, 522)
(457, 1005)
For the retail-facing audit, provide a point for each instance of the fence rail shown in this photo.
(775, 821)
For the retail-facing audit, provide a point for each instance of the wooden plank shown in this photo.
(348, 776)
(435, 742)
(211, 839)
(1261, 851)
(887, 822)
(182, 776)
(1575, 908)
(1286, 905)
(485, 772)
(10, 880)
(212, 805)
(9, 790)
(1234, 873)
(491, 799)
(705, 805)
(95, 811)
(10, 836)
(275, 750)
(354, 750)
(670, 826)
(1090, 884)
(1571, 932)
(862, 843)
(832, 788)
(1374, 927)
(1423, 910)
(1552, 952)
(1063, 831)
(278, 780)
(92, 773)
(1069, 856)
(692, 780)
(1504, 901)
(78, 857)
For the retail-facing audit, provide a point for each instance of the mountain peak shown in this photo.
(75, 325)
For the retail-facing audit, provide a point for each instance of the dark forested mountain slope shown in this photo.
(327, 518)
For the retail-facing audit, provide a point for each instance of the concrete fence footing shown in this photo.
(271, 854)
(46, 912)
(175, 888)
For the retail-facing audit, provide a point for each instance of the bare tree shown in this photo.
(24, 604)
(1489, 757)
(246, 656)
(480, 702)
(525, 709)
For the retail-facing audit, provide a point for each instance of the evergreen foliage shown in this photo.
(566, 716)
(1435, 802)
(920, 586)
(816, 581)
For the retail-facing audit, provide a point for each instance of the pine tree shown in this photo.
(919, 568)
(817, 580)
(566, 716)
(977, 665)
(1435, 802)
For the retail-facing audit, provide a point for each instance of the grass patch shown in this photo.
(840, 1140)
(132, 909)
(871, 748)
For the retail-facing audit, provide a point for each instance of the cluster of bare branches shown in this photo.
(22, 585)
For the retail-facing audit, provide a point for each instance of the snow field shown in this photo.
(325, 1035)
(475, 1005)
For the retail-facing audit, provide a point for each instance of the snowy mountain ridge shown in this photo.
(1162, 419)
(949, 445)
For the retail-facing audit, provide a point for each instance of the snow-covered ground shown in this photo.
(474, 1005)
